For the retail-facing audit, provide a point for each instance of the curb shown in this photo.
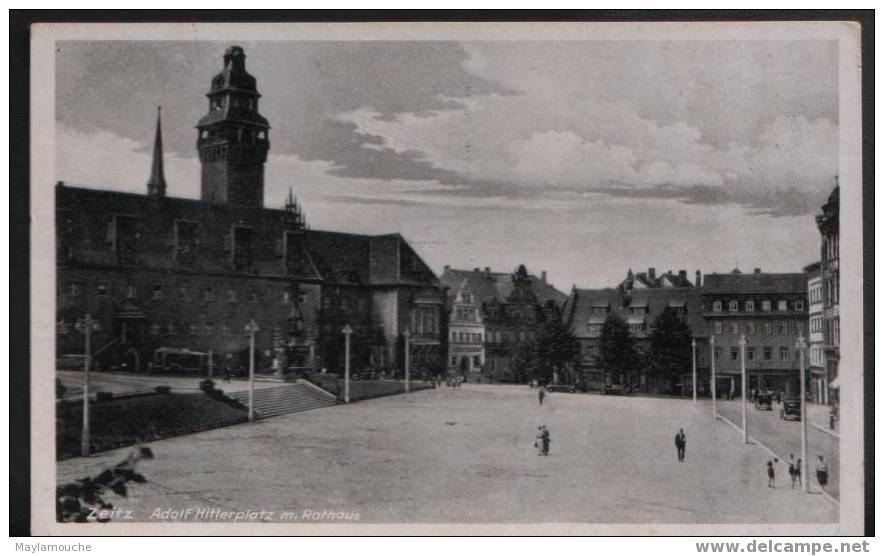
(824, 430)
(825, 494)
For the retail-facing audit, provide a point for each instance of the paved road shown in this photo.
(467, 455)
(784, 438)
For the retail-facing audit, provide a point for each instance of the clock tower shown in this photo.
(233, 137)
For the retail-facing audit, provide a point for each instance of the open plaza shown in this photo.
(466, 455)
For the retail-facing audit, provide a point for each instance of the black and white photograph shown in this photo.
(462, 278)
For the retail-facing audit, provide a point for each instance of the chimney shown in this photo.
(683, 274)
(476, 270)
(699, 280)
(757, 271)
(652, 274)
(543, 277)
(447, 267)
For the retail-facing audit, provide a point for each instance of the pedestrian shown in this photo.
(538, 442)
(792, 473)
(771, 474)
(540, 395)
(680, 444)
(798, 473)
(545, 440)
(822, 473)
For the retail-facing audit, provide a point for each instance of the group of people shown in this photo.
(543, 441)
(822, 472)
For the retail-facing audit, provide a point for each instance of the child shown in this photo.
(771, 473)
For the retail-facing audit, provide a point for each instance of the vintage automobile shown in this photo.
(791, 410)
(561, 388)
(764, 401)
(614, 390)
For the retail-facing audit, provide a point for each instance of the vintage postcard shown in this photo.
(447, 278)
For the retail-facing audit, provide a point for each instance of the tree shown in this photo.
(670, 353)
(616, 349)
(552, 351)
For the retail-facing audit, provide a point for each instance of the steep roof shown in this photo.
(756, 282)
(487, 285)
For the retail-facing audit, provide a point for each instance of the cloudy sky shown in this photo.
(580, 158)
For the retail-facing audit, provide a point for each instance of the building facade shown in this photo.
(639, 300)
(165, 273)
(466, 334)
(771, 311)
(828, 224)
(816, 355)
(511, 306)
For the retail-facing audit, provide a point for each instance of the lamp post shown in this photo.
(407, 336)
(743, 386)
(86, 326)
(347, 331)
(801, 345)
(712, 378)
(694, 368)
(251, 330)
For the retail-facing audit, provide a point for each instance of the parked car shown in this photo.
(764, 401)
(561, 388)
(614, 389)
(791, 410)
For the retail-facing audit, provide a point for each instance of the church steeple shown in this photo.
(156, 185)
(233, 137)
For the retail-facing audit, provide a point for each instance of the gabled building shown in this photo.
(165, 272)
(466, 333)
(828, 224)
(511, 306)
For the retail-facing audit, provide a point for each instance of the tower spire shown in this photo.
(156, 185)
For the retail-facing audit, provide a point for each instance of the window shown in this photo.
(224, 329)
(784, 328)
(453, 362)
(183, 293)
(194, 329)
(156, 292)
(123, 238)
(716, 306)
(782, 305)
(155, 329)
(255, 296)
(171, 329)
(735, 353)
(102, 288)
(750, 305)
(208, 294)
(185, 243)
(717, 353)
(799, 325)
(131, 292)
(286, 297)
(765, 305)
(784, 354)
(231, 295)
(467, 297)
(766, 329)
(716, 327)
(209, 328)
(734, 327)
(768, 353)
(242, 254)
(799, 305)
(750, 354)
(733, 306)
(74, 288)
(750, 328)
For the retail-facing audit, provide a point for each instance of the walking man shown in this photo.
(771, 474)
(792, 469)
(822, 473)
(680, 444)
(541, 394)
(545, 440)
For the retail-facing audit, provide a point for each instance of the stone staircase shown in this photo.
(286, 398)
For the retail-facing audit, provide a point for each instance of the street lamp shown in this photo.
(347, 331)
(86, 326)
(407, 335)
(712, 378)
(801, 345)
(251, 330)
(743, 385)
(694, 365)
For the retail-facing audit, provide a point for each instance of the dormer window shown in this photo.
(750, 305)
(765, 305)
(716, 306)
(733, 306)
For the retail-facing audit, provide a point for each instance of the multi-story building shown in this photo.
(828, 223)
(164, 272)
(771, 311)
(512, 306)
(466, 333)
(639, 300)
(816, 355)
